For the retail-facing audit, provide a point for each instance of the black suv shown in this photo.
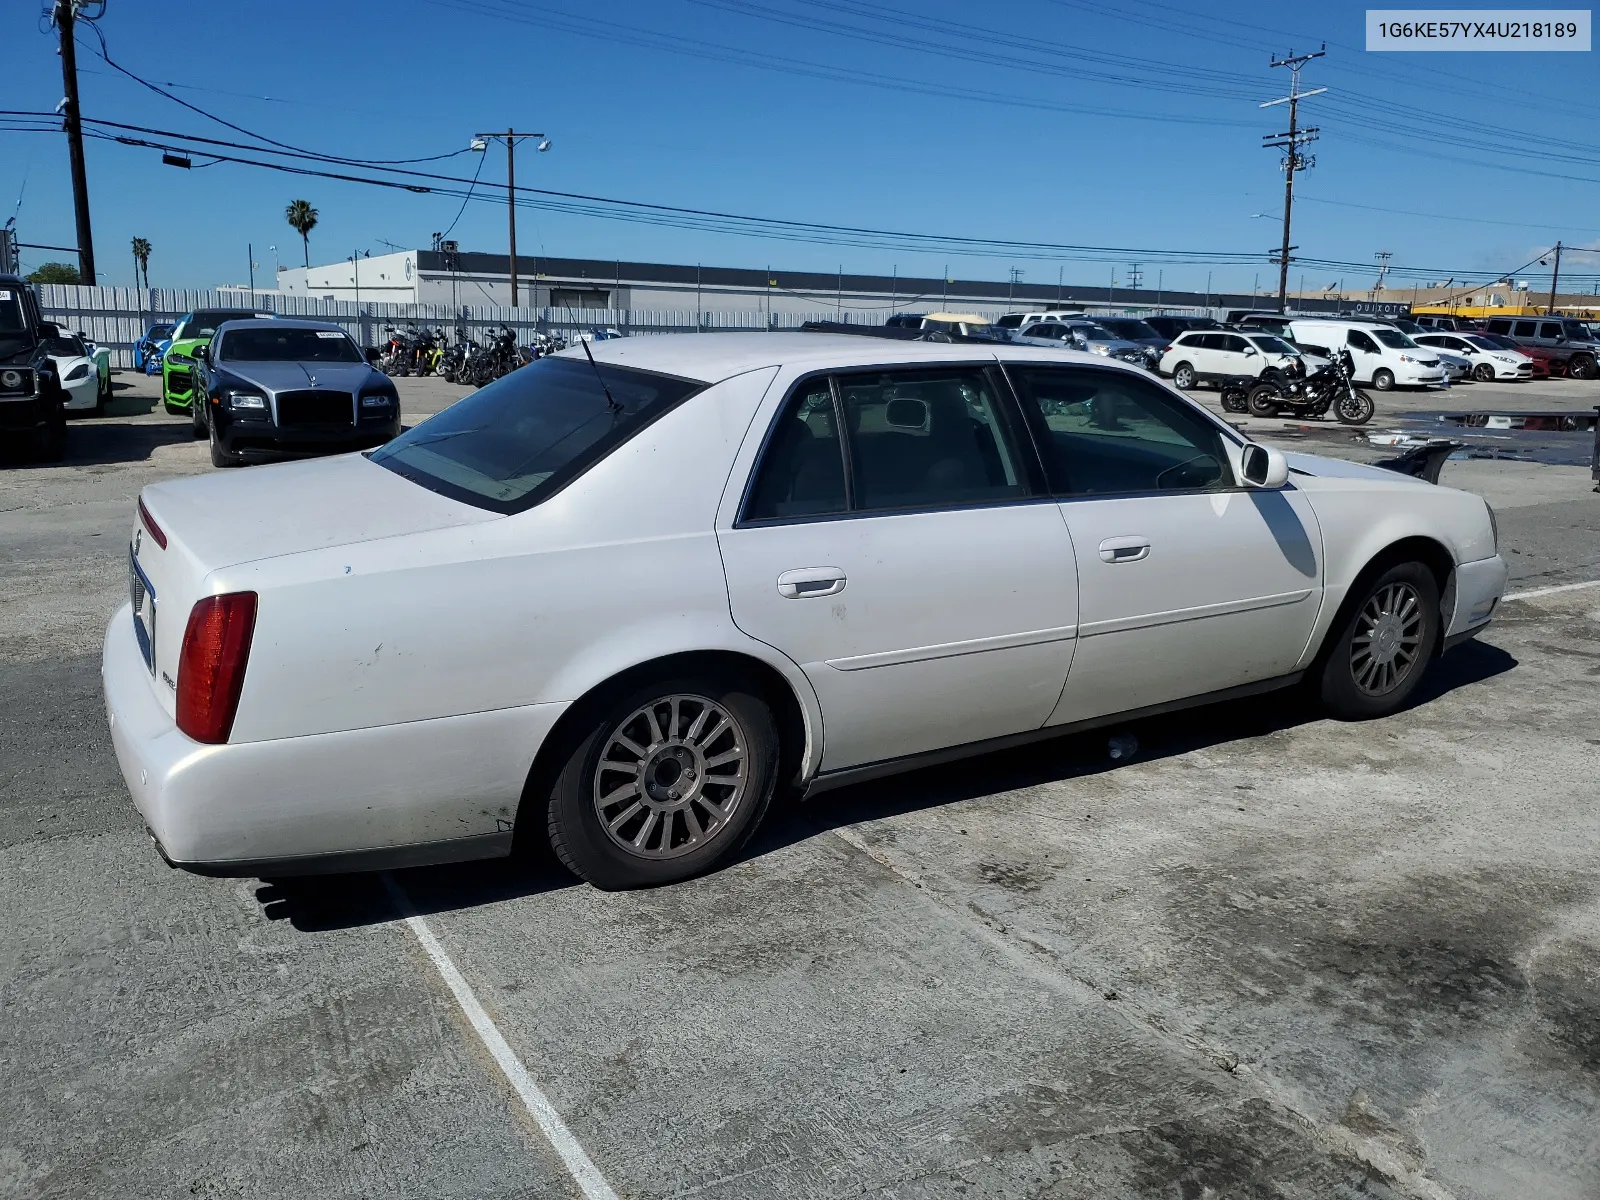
(33, 415)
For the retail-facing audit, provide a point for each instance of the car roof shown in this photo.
(280, 323)
(713, 357)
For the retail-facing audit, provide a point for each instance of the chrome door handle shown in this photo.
(811, 581)
(1124, 549)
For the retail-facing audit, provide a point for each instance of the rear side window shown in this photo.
(1526, 328)
(524, 437)
(888, 440)
(802, 471)
(1501, 327)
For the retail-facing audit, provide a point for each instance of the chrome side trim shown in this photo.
(1200, 611)
(1004, 641)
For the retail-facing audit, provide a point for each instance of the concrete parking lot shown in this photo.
(1271, 955)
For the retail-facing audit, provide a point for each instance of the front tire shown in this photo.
(219, 456)
(665, 782)
(1582, 367)
(1381, 651)
(1355, 409)
(197, 423)
(1483, 373)
(1183, 376)
(1383, 380)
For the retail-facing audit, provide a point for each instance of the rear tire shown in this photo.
(1383, 380)
(1483, 373)
(50, 441)
(102, 397)
(1262, 401)
(1383, 644)
(641, 798)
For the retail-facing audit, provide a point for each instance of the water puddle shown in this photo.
(1554, 438)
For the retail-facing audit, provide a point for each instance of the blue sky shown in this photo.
(1132, 124)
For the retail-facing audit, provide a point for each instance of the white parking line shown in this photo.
(579, 1165)
(1550, 591)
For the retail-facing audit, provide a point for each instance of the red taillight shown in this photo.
(150, 525)
(216, 646)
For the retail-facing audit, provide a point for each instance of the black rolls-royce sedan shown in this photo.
(274, 388)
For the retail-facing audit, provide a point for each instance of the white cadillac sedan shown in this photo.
(621, 603)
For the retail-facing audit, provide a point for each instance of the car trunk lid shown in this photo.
(186, 529)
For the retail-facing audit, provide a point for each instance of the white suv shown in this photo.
(1211, 355)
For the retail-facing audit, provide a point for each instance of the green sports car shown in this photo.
(192, 331)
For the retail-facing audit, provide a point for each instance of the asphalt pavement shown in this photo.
(1271, 955)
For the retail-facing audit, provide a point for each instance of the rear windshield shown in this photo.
(526, 436)
(288, 345)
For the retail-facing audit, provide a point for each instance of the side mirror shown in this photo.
(49, 329)
(203, 353)
(373, 355)
(1263, 467)
(1249, 353)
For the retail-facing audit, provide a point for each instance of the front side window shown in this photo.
(524, 437)
(288, 345)
(1551, 330)
(1235, 344)
(1362, 342)
(1394, 339)
(1110, 432)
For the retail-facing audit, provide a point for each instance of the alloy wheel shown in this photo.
(671, 776)
(1387, 640)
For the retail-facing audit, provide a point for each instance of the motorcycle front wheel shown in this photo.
(1354, 409)
(1263, 401)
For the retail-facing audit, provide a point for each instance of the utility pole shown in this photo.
(250, 253)
(65, 15)
(1011, 291)
(511, 137)
(1293, 160)
(1383, 257)
(1135, 276)
(1555, 276)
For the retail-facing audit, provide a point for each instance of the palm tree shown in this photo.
(141, 259)
(302, 219)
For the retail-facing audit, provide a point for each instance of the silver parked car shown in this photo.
(1087, 335)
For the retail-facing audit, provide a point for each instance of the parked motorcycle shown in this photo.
(1277, 391)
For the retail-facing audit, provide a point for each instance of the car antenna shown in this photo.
(611, 404)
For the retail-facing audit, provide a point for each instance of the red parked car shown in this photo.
(1545, 362)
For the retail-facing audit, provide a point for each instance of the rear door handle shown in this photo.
(806, 582)
(1125, 549)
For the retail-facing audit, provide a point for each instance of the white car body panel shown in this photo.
(1230, 587)
(1506, 364)
(83, 392)
(412, 653)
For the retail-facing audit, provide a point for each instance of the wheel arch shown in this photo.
(1415, 547)
(794, 708)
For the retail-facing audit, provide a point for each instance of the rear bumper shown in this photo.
(426, 791)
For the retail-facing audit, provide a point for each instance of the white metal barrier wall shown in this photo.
(116, 317)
